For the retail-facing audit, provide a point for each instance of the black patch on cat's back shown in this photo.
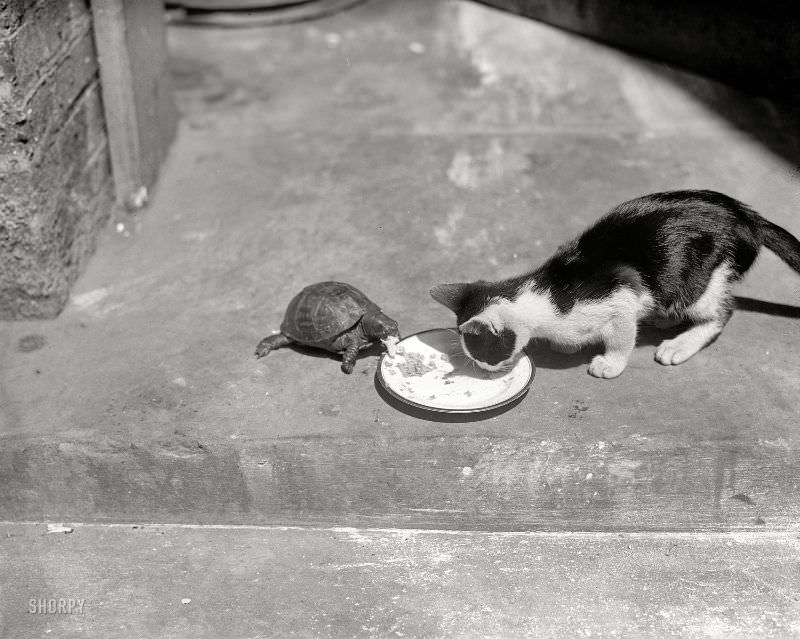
(671, 242)
(571, 276)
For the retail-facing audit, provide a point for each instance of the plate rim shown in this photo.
(520, 393)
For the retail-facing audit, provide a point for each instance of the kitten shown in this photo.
(669, 256)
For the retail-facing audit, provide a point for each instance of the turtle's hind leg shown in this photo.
(271, 343)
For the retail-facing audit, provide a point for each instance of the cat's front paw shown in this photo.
(672, 352)
(607, 367)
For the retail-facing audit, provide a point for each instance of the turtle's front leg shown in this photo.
(349, 357)
(271, 343)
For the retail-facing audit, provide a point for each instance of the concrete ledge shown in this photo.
(198, 582)
(456, 482)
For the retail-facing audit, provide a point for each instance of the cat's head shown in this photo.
(485, 323)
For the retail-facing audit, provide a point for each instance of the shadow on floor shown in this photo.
(753, 46)
(307, 351)
(774, 124)
(766, 308)
(648, 335)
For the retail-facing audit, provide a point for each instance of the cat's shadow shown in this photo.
(648, 335)
(545, 357)
(752, 305)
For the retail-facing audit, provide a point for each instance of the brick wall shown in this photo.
(55, 180)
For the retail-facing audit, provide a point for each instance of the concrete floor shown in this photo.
(395, 146)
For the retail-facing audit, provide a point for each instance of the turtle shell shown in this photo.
(321, 311)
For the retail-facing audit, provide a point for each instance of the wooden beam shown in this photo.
(140, 113)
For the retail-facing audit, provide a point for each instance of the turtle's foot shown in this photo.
(262, 349)
(271, 343)
(349, 358)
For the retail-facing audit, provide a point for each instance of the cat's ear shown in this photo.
(450, 295)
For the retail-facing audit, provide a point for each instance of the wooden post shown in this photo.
(140, 113)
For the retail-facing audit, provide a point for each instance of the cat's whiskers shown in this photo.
(456, 350)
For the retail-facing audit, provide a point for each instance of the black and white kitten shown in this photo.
(668, 256)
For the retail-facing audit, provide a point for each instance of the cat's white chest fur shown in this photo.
(533, 315)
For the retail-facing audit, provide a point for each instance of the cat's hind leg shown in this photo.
(709, 313)
(672, 352)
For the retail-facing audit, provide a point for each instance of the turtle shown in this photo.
(335, 317)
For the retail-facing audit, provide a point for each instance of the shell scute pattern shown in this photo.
(322, 311)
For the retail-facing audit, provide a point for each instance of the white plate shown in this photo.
(431, 371)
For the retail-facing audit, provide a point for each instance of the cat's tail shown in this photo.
(778, 240)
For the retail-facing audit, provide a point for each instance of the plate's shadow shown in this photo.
(438, 416)
(543, 355)
(374, 350)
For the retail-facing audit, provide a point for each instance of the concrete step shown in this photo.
(477, 482)
(203, 582)
(300, 158)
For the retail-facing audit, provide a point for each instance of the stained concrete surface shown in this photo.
(162, 581)
(396, 146)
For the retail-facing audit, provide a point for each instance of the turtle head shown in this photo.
(378, 326)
